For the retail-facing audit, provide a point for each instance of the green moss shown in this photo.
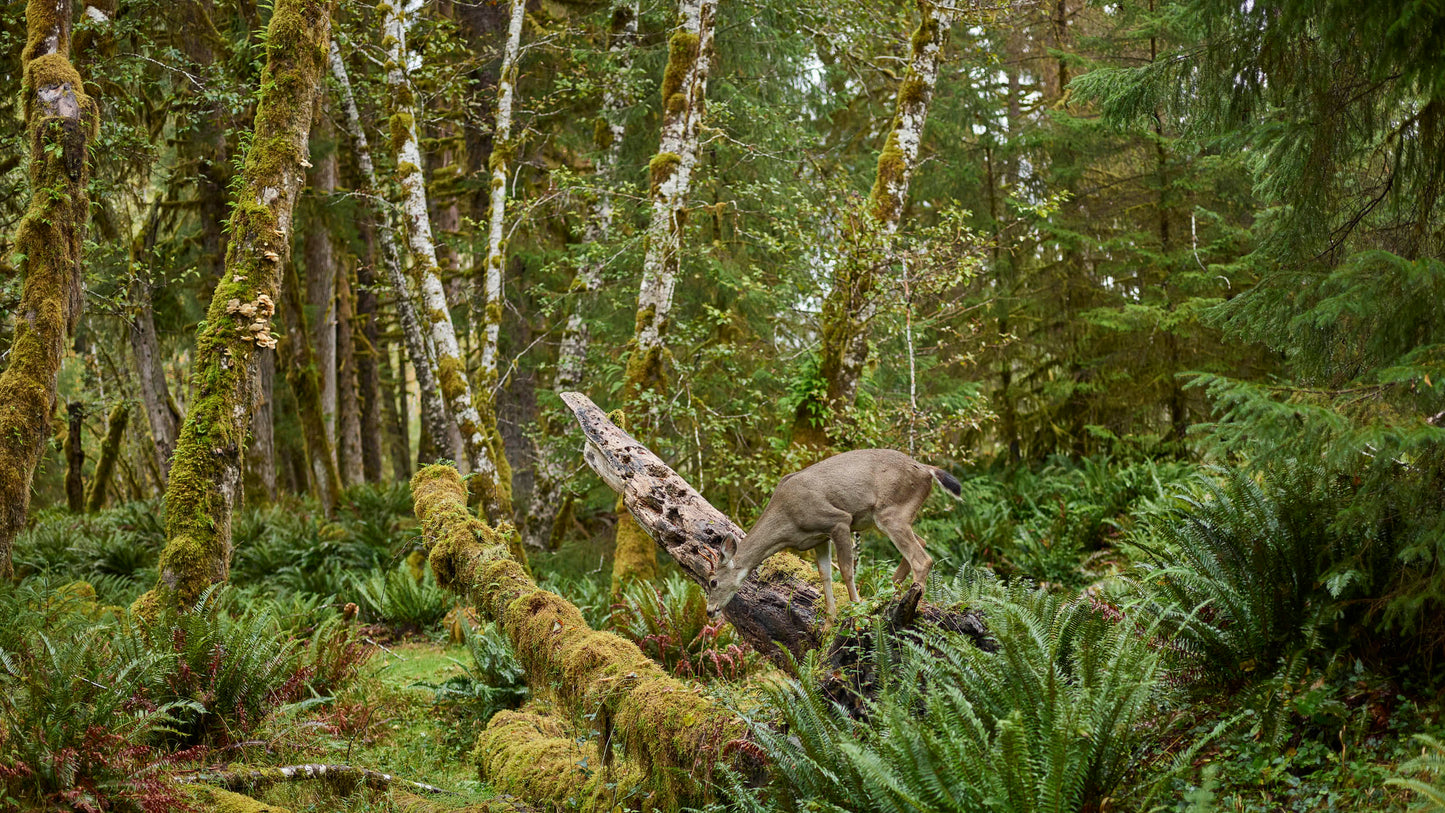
(109, 451)
(928, 31)
(673, 735)
(530, 756)
(452, 375)
(601, 133)
(661, 168)
(681, 56)
(892, 168)
(912, 92)
(224, 801)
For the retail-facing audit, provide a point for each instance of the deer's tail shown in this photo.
(949, 483)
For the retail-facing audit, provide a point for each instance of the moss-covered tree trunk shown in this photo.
(851, 303)
(490, 474)
(684, 92)
(206, 472)
(499, 164)
(435, 420)
(674, 735)
(109, 453)
(553, 454)
(60, 121)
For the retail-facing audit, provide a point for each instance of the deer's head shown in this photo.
(726, 578)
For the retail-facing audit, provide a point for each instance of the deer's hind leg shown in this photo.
(899, 530)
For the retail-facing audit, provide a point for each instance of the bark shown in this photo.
(499, 163)
(303, 375)
(672, 734)
(110, 450)
(549, 500)
(348, 408)
(161, 415)
(684, 89)
(320, 258)
(489, 475)
(393, 391)
(418, 344)
(367, 339)
(852, 302)
(206, 472)
(198, 40)
(75, 457)
(261, 458)
(60, 122)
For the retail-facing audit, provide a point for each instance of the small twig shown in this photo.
(383, 648)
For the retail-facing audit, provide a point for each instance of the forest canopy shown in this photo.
(385, 387)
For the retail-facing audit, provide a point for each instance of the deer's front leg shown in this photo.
(842, 537)
(825, 571)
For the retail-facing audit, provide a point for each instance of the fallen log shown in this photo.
(346, 778)
(778, 609)
(673, 734)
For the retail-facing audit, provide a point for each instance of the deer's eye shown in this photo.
(712, 583)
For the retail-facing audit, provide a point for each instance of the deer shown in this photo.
(825, 503)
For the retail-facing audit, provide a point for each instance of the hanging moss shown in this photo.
(673, 735)
(681, 57)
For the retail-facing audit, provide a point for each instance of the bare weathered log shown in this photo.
(345, 777)
(776, 610)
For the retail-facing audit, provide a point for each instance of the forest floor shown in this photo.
(388, 721)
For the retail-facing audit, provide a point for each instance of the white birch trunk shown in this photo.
(436, 313)
(501, 153)
(684, 89)
(418, 347)
(546, 505)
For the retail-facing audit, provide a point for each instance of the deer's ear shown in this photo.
(730, 547)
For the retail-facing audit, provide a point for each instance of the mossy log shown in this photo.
(60, 121)
(531, 756)
(205, 477)
(779, 608)
(672, 734)
(225, 801)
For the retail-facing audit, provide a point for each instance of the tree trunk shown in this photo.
(684, 89)
(109, 453)
(487, 468)
(596, 678)
(851, 304)
(418, 344)
(303, 375)
(393, 391)
(197, 40)
(75, 457)
(60, 121)
(261, 458)
(155, 393)
(367, 351)
(499, 163)
(348, 408)
(320, 280)
(548, 503)
(206, 472)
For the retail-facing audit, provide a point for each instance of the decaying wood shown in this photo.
(778, 609)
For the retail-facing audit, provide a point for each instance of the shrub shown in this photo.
(493, 680)
(400, 600)
(669, 622)
(1056, 719)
